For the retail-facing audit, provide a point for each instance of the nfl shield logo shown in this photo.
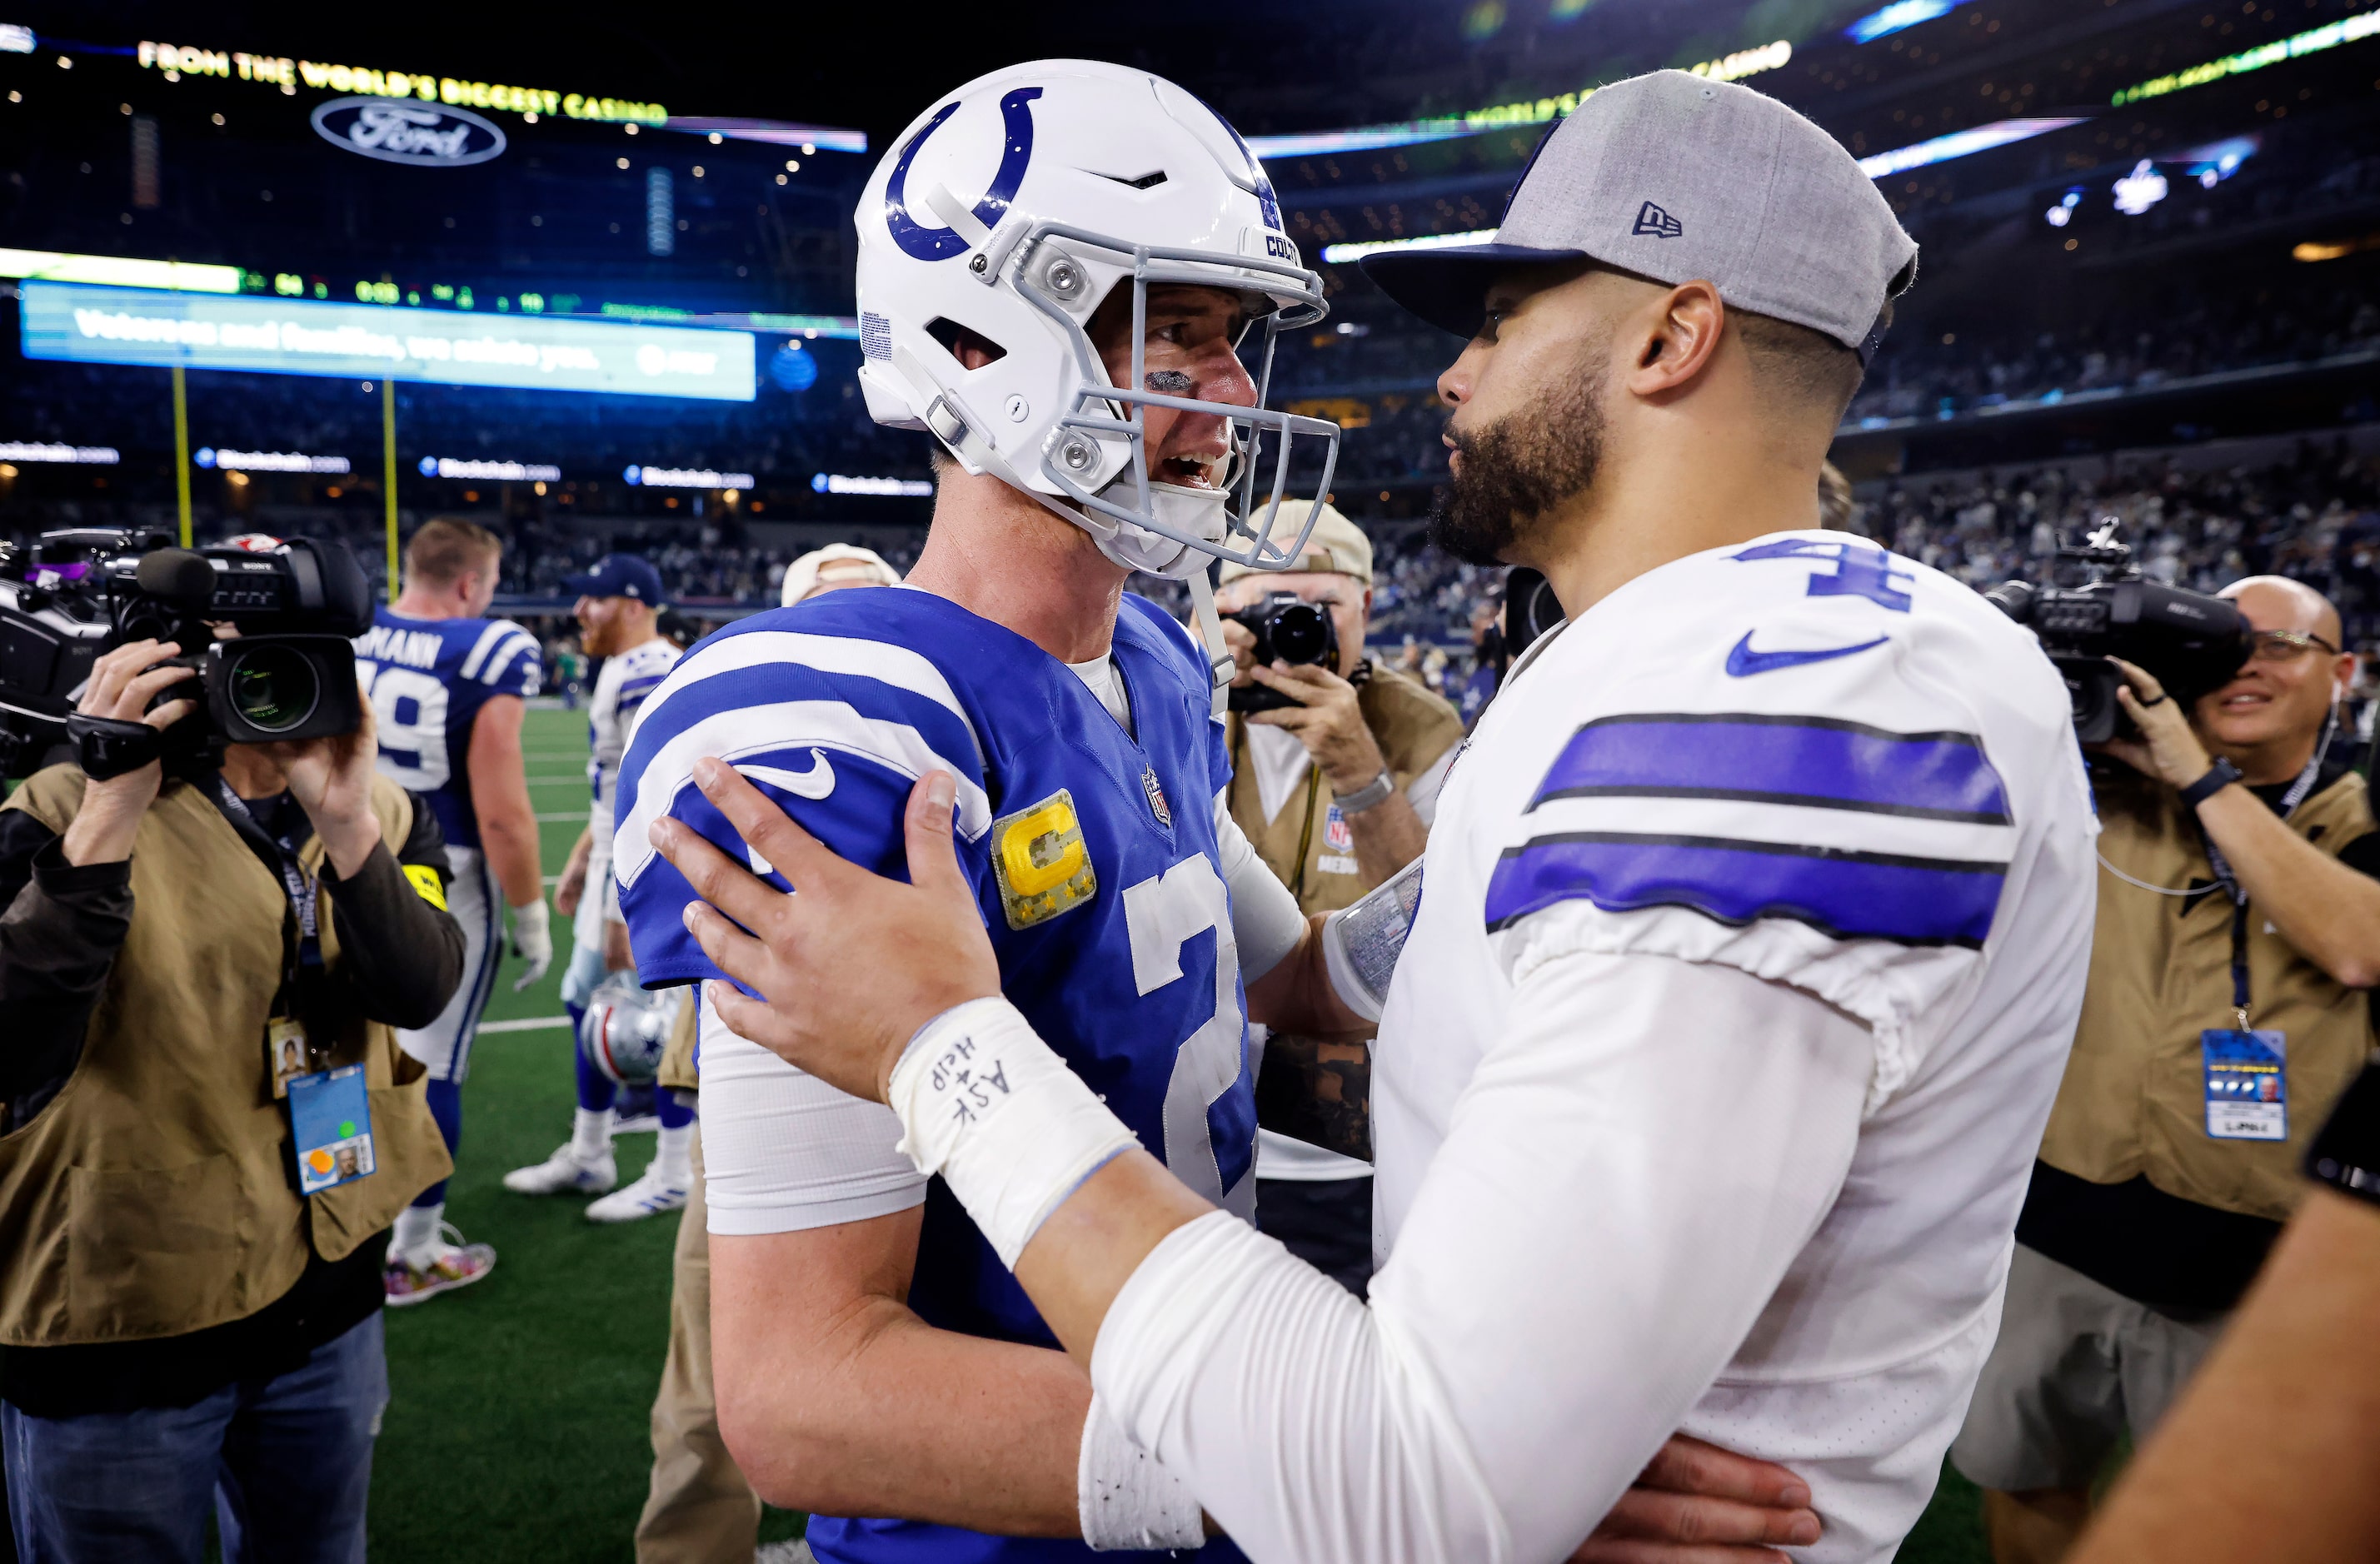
(1335, 834)
(1156, 805)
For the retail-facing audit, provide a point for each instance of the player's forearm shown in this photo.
(2329, 913)
(508, 837)
(1313, 1430)
(1388, 836)
(1296, 995)
(987, 1437)
(2273, 1439)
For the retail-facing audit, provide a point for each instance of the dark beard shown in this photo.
(1516, 470)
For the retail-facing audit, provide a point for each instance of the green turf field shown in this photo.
(517, 1430)
(516, 1422)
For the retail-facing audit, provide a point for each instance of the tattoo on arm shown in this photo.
(1318, 1090)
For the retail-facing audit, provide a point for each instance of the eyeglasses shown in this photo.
(2285, 645)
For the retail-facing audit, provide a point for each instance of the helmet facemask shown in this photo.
(1096, 452)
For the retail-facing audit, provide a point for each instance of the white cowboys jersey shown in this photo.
(620, 691)
(1832, 769)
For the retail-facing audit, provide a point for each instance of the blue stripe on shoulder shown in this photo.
(1819, 762)
(1846, 894)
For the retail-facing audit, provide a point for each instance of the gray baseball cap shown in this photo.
(1675, 177)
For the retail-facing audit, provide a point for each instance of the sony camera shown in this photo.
(288, 671)
(1288, 629)
(2098, 606)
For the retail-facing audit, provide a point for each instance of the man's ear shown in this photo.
(1677, 337)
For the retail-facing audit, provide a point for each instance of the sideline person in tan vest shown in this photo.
(1336, 794)
(210, 1129)
(2239, 925)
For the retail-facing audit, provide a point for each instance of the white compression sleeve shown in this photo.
(1127, 1501)
(1627, 1179)
(1266, 922)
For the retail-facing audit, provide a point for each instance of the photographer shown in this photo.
(1335, 789)
(210, 1132)
(2239, 925)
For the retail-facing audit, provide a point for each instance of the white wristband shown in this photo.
(985, 1102)
(1127, 1500)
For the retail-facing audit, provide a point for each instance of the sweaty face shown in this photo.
(1528, 427)
(2288, 700)
(1190, 337)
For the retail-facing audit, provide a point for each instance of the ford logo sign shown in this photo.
(398, 130)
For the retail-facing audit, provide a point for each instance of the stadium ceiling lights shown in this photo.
(1898, 17)
(2313, 41)
(1339, 255)
(118, 271)
(1502, 116)
(1961, 143)
(810, 139)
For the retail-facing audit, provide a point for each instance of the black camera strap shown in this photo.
(2295, 796)
(304, 889)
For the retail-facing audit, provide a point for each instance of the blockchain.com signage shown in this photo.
(422, 135)
(98, 325)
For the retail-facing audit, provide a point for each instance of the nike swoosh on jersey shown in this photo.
(816, 782)
(1742, 661)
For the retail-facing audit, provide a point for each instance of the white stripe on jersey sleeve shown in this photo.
(761, 730)
(881, 661)
(494, 631)
(507, 656)
(1795, 825)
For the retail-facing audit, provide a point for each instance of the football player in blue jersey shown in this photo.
(448, 688)
(1074, 343)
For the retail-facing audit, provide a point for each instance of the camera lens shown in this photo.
(1300, 632)
(273, 689)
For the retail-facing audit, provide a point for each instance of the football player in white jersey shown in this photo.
(448, 688)
(1749, 944)
(619, 603)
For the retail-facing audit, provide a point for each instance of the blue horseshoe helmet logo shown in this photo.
(1016, 151)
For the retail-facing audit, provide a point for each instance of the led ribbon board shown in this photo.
(2313, 41)
(283, 336)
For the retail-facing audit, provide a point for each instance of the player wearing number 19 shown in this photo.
(448, 688)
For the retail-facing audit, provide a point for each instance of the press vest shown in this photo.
(2133, 1099)
(1414, 729)
(155, 1194)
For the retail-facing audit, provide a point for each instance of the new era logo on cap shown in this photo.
(1651, 219)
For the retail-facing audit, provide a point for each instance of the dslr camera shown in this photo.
(2098, 606)
(289, 671)
(1288, 629)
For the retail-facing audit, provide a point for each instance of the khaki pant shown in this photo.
(2077, 1365)
(700, 1509)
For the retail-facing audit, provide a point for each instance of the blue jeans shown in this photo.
(288, 1462)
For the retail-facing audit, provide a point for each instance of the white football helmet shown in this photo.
(1090, 176)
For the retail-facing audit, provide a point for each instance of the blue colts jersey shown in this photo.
(1093, 855)
(427, 679)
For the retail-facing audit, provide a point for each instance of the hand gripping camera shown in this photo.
(1288, 629)
(287, 671)
(2098, 606)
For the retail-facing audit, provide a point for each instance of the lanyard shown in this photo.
(302, 886)
(2232, 888)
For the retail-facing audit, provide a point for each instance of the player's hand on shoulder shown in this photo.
(1698, 1504)
(853, 963)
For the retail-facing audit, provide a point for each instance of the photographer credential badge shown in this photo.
(330, 1113)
